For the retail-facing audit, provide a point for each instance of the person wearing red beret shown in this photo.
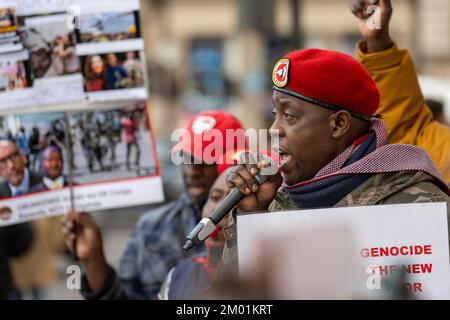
(332, 145)
(403, 107)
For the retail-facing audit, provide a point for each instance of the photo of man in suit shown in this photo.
(52, 169)
(18, 180)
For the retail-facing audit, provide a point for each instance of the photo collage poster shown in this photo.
(74, 109)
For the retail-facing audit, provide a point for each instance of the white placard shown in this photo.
(84, 49)
(60, 89)
(21, 98)
(35, 7)
(90, 7)
(51, 19)
(118, 95)
(91, 197)
(380, 233)
(16, 56)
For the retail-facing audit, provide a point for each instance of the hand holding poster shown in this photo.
(312, 249)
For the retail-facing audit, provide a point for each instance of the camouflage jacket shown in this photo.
(383, 188)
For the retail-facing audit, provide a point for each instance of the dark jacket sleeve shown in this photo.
(19, 239)
(110, 290)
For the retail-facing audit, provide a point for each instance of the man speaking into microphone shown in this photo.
(333, 149)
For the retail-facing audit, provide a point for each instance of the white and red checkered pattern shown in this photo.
(386, 158)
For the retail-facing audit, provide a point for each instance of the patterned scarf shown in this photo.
(357, 164)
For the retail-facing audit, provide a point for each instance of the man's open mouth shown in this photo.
(285, 157)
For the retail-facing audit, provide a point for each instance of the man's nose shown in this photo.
(276, 130)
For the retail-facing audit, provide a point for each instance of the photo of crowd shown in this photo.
(51, 48)
(106, 27)
(105, 145)
(112, 143)
(112, 71)
(13, 75)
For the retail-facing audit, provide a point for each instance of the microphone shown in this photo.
(208, 225)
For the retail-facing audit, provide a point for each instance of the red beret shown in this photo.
(329, 79)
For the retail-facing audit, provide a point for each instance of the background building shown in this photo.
(204, 54)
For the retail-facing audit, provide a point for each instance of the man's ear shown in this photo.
(340, 124)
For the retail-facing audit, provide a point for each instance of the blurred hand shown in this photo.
(258, 197)
(376, 39)
(89, 246)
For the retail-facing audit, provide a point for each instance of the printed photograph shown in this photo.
(112, 71)
(13, 75)
(106, 27)
(99, 146)
(51, 47)
(9, 38)
(8, 21)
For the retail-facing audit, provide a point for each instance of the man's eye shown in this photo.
(214, 199)
(288, 116)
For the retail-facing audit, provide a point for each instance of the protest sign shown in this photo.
(96, 58)
(73, 88)
(112, 155)
(114, 162)
(412, 238)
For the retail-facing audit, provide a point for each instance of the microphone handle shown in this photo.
(227, 204)
(208, 225)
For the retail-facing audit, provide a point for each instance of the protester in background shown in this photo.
(402, 104)
(95, 74)
(34, 271)
(155, 244)
(14, 241)
(192, 276)
(333, 152)
(116, 74)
